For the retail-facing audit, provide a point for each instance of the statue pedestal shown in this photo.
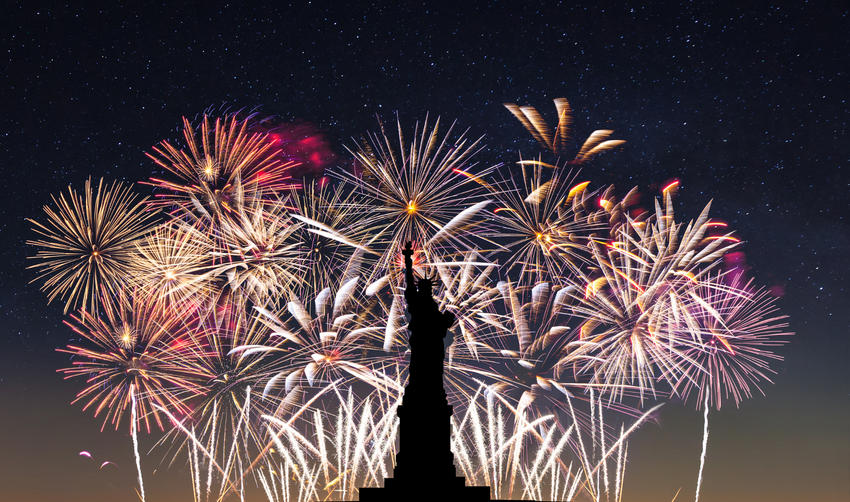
(425, 464)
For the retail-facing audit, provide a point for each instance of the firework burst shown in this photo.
(421, 192)
(466, 290)
(131, 338)
(524, 352)
(258, 255)
(735, 325)
(260, 305)
(644, 284)
(88, 241)
(350, 332)
(221, 418)
(173, 264)
(329, 216)
(226, 166)
(536, 222)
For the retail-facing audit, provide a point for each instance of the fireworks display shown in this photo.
(260, 322)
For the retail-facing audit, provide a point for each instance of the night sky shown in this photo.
(745, 105)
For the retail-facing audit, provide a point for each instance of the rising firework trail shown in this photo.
(134, 433)
(704, 446)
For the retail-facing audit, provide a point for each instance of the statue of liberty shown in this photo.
(425, 464)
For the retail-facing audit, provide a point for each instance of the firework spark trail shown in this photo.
(554, 460)
(620, 475)
(320, 438)
(583, 459)
(364, 434)
(193, 471)
(622, 438)
(347, 441)
(557, 143)
(602, 447)
(459, 450)
(493, 443)
(234, 445)
(704, 446)
(593, 431)
(134, 433)
(212, 447)
(285, 427)
(270, 494)
(190, 451)
(190, 435)
(369, 444)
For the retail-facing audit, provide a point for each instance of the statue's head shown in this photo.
(425, 286)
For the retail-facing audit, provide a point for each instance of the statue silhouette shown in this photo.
(429, 336)
(425, 464)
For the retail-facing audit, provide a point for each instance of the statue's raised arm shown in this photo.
(410, 289)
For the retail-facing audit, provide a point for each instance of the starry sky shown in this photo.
(746, 105)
